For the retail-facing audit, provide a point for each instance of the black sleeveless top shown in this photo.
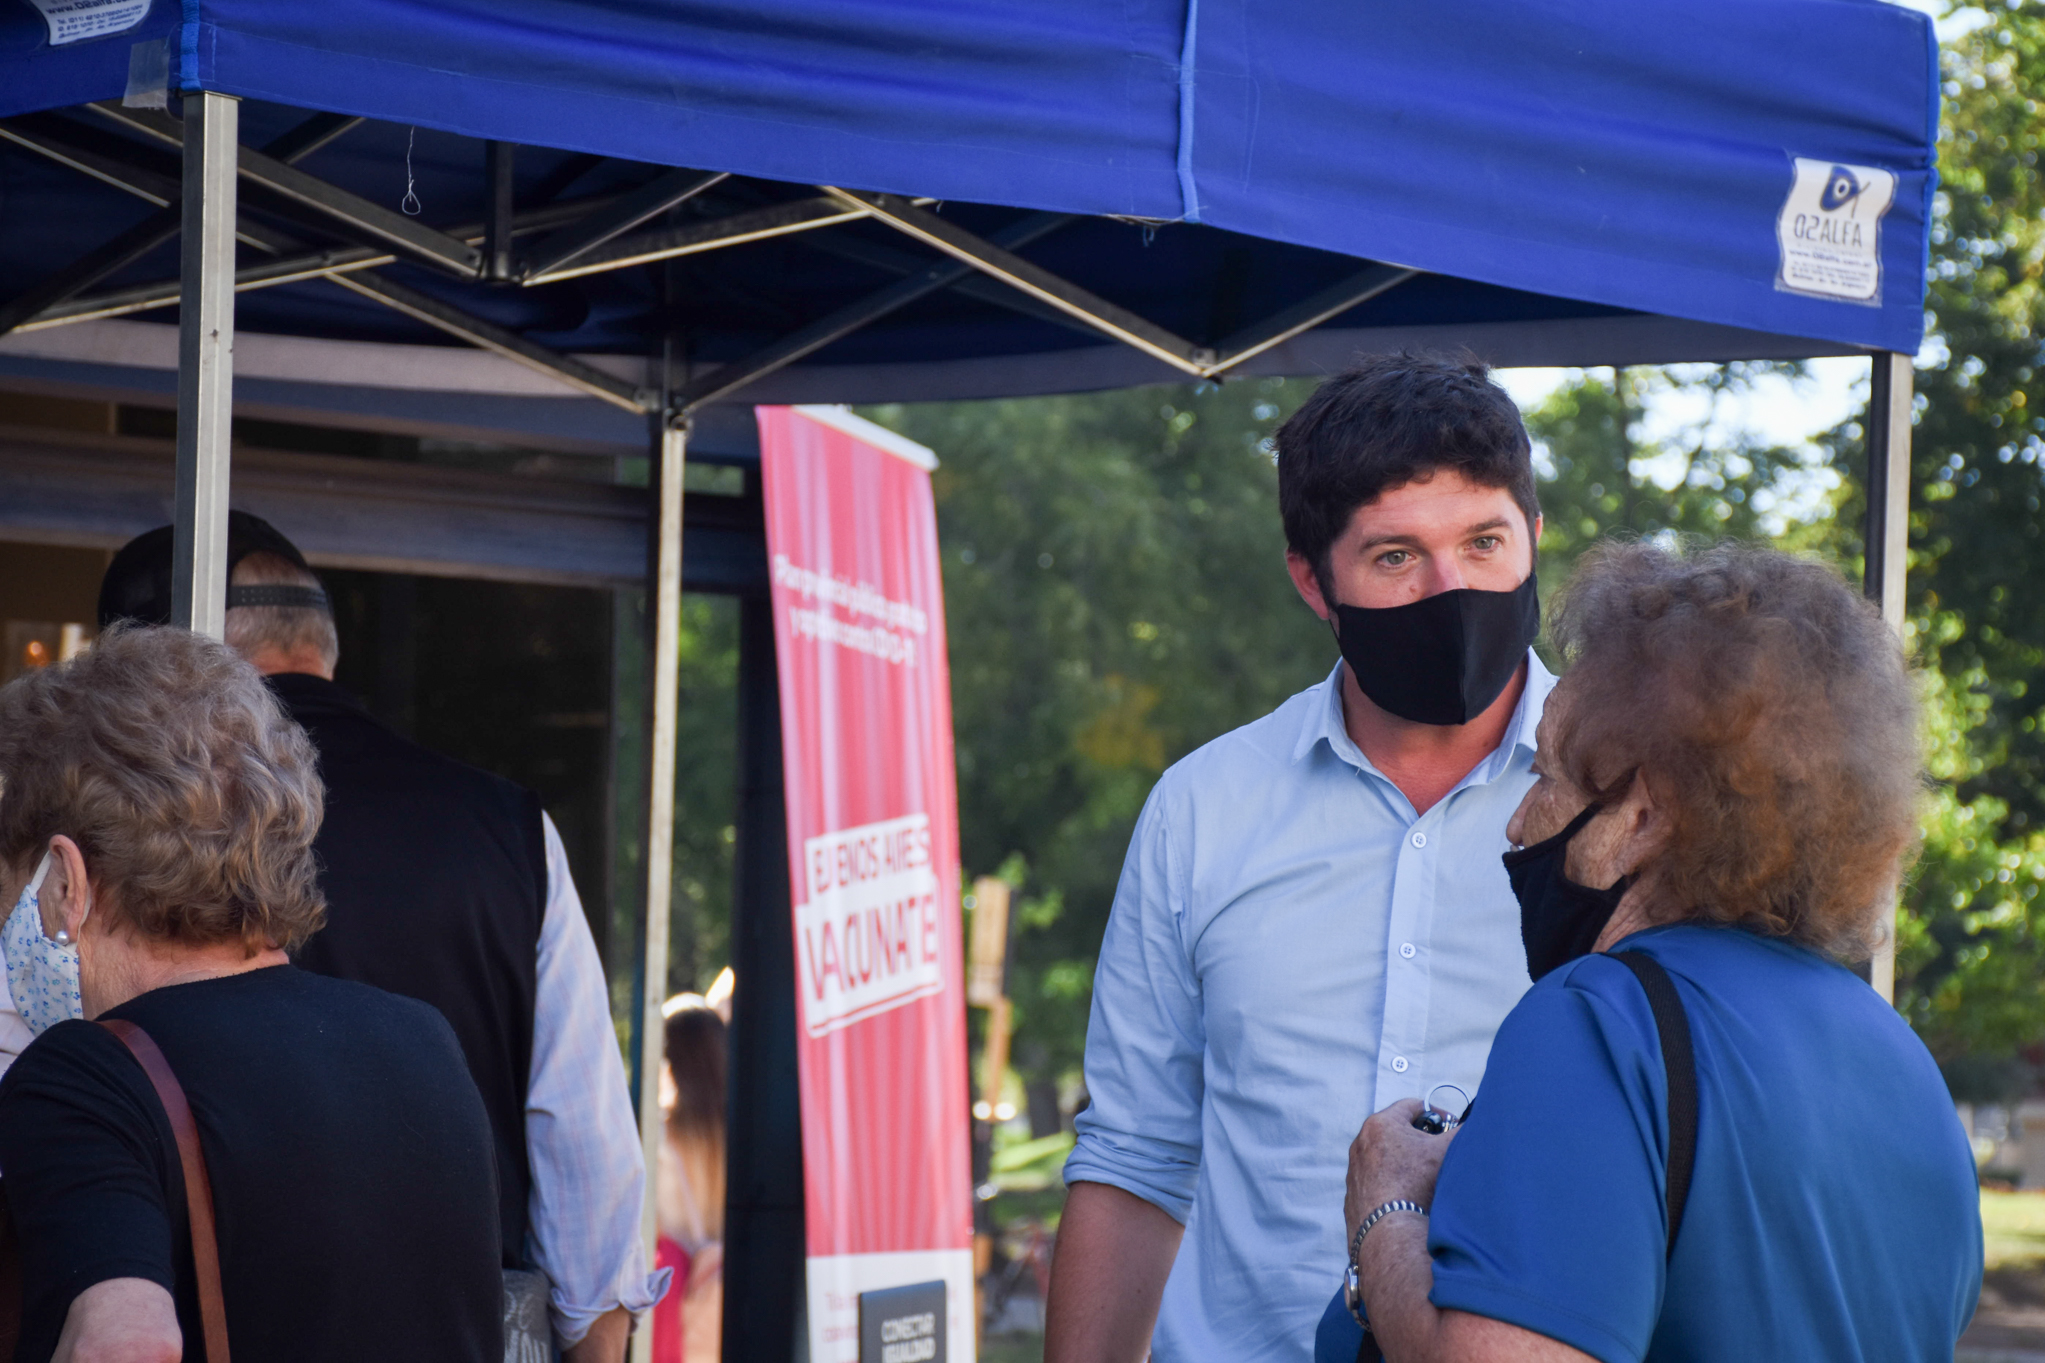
(436, 881)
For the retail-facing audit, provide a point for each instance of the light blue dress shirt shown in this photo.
(1291, 949)
(589, 1176)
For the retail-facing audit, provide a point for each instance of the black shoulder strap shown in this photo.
(1680, 1060)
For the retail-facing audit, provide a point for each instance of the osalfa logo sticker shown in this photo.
(1830, 230)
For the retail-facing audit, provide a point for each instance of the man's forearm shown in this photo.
(1114, 1253)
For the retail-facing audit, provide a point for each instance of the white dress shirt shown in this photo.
(1291, 949)
(589, 1175)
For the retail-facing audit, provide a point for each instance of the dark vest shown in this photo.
(436, 881)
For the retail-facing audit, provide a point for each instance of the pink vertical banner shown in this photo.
(873, 849)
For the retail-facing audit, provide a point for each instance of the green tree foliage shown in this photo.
(1977, 454)
(1116, 596)
(1971, 960)
(1600, 477)
(706, 796)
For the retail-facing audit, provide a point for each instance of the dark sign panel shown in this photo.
(902, 1324)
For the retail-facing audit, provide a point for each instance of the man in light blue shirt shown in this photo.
(1313, 921)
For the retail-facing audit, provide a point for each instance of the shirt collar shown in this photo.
(1323, 721)
(304, 694)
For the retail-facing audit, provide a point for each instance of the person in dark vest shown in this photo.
(450, 885)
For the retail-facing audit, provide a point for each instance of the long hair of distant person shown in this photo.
(697, 1060)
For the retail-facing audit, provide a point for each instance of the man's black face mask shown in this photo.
(1559, 919)
(1444, 658)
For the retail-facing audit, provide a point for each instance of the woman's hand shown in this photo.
(1388, 1160)
(1391, 1159)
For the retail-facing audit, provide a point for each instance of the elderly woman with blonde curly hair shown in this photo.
(157, 811)
(1700, 1135)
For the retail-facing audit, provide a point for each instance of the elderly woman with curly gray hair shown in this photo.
(1700, 1135)
(240, 1151)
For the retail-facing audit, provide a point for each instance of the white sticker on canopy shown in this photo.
(1830, 230)
(73, 21)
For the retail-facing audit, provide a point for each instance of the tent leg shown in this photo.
(670, 457)
(764, 1247)
(205, 364)
(1887, 541)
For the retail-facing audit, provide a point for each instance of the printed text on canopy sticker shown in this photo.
(1829, 230)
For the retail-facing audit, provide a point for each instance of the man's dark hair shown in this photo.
(1389, 420)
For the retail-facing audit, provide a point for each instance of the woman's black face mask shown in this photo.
(1559, 919)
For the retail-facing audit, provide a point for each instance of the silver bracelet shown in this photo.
(1352, 1281)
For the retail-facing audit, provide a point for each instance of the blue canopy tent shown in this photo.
(637, 210)
(1572, 184)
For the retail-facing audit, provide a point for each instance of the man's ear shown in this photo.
(1306, 582)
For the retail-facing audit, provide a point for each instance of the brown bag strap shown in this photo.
(198, 1186)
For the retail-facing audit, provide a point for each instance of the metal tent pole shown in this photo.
(499, 161)
(665, 603)
(1887, 541)
(205, 364)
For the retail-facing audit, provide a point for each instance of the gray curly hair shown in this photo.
(1773, 715)
(189, 791)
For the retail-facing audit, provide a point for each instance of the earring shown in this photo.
(63, 938)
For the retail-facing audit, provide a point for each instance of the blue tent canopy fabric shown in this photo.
(1562, 164)
(1635, 155)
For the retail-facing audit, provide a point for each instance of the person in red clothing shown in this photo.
(688, 1322)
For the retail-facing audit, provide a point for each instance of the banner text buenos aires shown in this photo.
(868, 931)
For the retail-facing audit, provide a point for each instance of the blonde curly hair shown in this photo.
(1774, 717)
(191, 794)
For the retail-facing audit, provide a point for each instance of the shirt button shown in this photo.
(1398, 1064)
(1406, 950)
(1420, 839)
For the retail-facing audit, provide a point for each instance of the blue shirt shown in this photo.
(1291, 948)
(1833, 1212)
(589, 1176)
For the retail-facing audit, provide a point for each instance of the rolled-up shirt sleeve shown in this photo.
(1146, 1039)
(589, 1177)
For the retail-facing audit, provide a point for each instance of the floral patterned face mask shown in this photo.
(42, 975)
